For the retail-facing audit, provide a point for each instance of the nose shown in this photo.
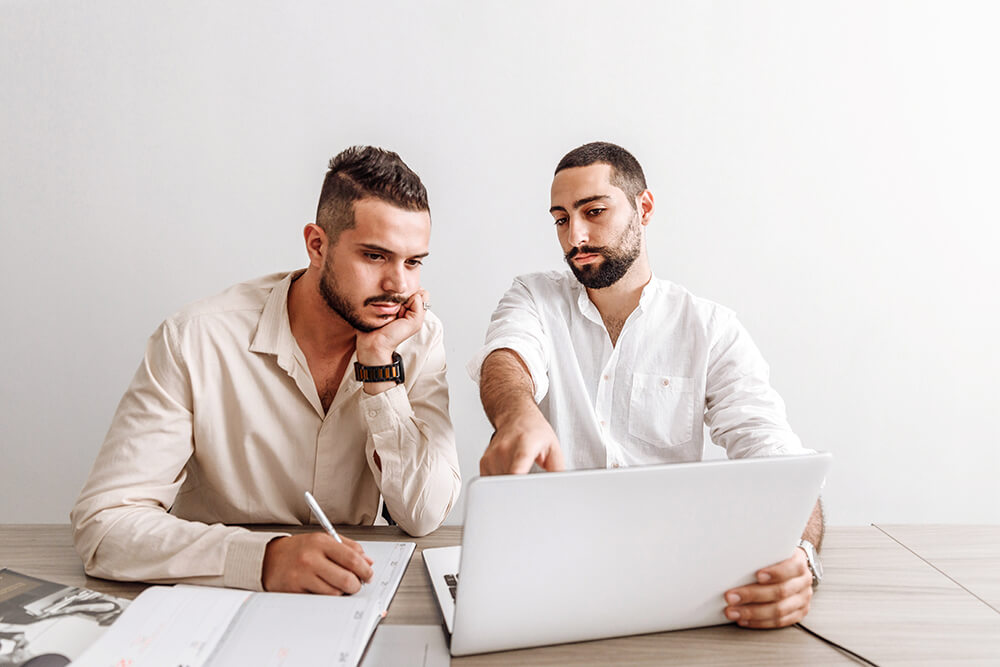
(394, 279)
(579, 232)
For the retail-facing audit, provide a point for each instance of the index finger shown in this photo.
(521, 461)
(346, 557)
(787, 569)
(412, 311)
(357, 547)
(553, 461)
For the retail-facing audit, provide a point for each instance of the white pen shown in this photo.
(318, 513)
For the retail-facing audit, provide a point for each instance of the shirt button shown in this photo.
(602, 423)
(605, 377)
(373, 413)
(616, 465)
(666, 382)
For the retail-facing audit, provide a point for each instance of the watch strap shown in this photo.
(812, 560)
(389, 373)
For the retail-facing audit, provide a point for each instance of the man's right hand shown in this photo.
(315, 563)
(522, 440)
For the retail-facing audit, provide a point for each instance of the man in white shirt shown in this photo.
(329, 379)
(609, 366)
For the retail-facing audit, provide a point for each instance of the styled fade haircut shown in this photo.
(362, 172)
(626, 172)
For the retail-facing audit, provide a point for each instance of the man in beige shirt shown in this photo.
(329, 379)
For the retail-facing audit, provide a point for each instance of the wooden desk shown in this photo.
(969, 555)
(884, 602)
(879, 599)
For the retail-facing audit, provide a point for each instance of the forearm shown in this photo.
(815, 527)
(417, 463)
(505, 387)
(144, 543)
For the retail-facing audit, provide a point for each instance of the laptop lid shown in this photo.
(561, 557)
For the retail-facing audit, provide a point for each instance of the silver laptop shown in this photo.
(562, 557)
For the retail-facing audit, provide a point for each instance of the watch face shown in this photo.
(812, 559)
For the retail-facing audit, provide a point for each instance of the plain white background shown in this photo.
(828, 170)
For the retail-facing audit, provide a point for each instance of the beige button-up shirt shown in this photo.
(223, 424)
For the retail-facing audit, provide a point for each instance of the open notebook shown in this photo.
(216, 627)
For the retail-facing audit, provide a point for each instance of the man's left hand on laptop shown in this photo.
(780, 597)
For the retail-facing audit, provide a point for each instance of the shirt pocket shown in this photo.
(661, 409)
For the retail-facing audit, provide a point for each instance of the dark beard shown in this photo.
(618, 259)
(339, 304)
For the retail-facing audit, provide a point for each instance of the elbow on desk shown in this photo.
(431, 509)
(422, 523)
(90, 531)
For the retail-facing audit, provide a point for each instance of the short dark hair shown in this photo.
(360, 172)
(626, 172)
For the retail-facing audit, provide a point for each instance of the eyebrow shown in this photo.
(386, 251)
(579, 202)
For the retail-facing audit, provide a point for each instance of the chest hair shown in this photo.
(614, 326)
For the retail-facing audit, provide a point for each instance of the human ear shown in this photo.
(646, 206)
(315, 239)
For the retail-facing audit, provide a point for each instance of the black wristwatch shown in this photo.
(390, 373)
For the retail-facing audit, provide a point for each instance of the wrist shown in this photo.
(812, 561)
(268, 568)
(374, 355)
(378, 377)
(516, 413)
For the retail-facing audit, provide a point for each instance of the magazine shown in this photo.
(43, 618)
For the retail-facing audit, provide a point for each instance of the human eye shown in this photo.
(414, 263)
(373, 256)
(560, 221)
(596, 211)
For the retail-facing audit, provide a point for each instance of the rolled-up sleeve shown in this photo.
(121, 525)
(410, 429)
(517, 326)
(742, 410)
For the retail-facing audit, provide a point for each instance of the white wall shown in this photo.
(829, 170)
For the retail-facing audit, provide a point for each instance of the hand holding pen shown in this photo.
(324, 563)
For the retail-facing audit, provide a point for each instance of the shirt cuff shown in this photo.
(384, 410)
(245, 560)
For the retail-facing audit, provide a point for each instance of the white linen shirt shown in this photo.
(679, 362)
(223, 424)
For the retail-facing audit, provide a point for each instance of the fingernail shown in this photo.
(763, 577)
(732, 614)
(732, 598)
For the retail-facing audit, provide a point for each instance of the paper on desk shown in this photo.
(408, 646)
(178, 625)
(196, 626)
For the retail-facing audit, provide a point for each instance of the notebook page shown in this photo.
(391, 559)
(167, 626)
(284, 629)
(196, 626)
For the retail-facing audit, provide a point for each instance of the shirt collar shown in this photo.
(274, 332)
(590, 311)
(649, 292)
(584, 303)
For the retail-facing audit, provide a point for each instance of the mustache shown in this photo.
(586, 250)
(385, 298)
